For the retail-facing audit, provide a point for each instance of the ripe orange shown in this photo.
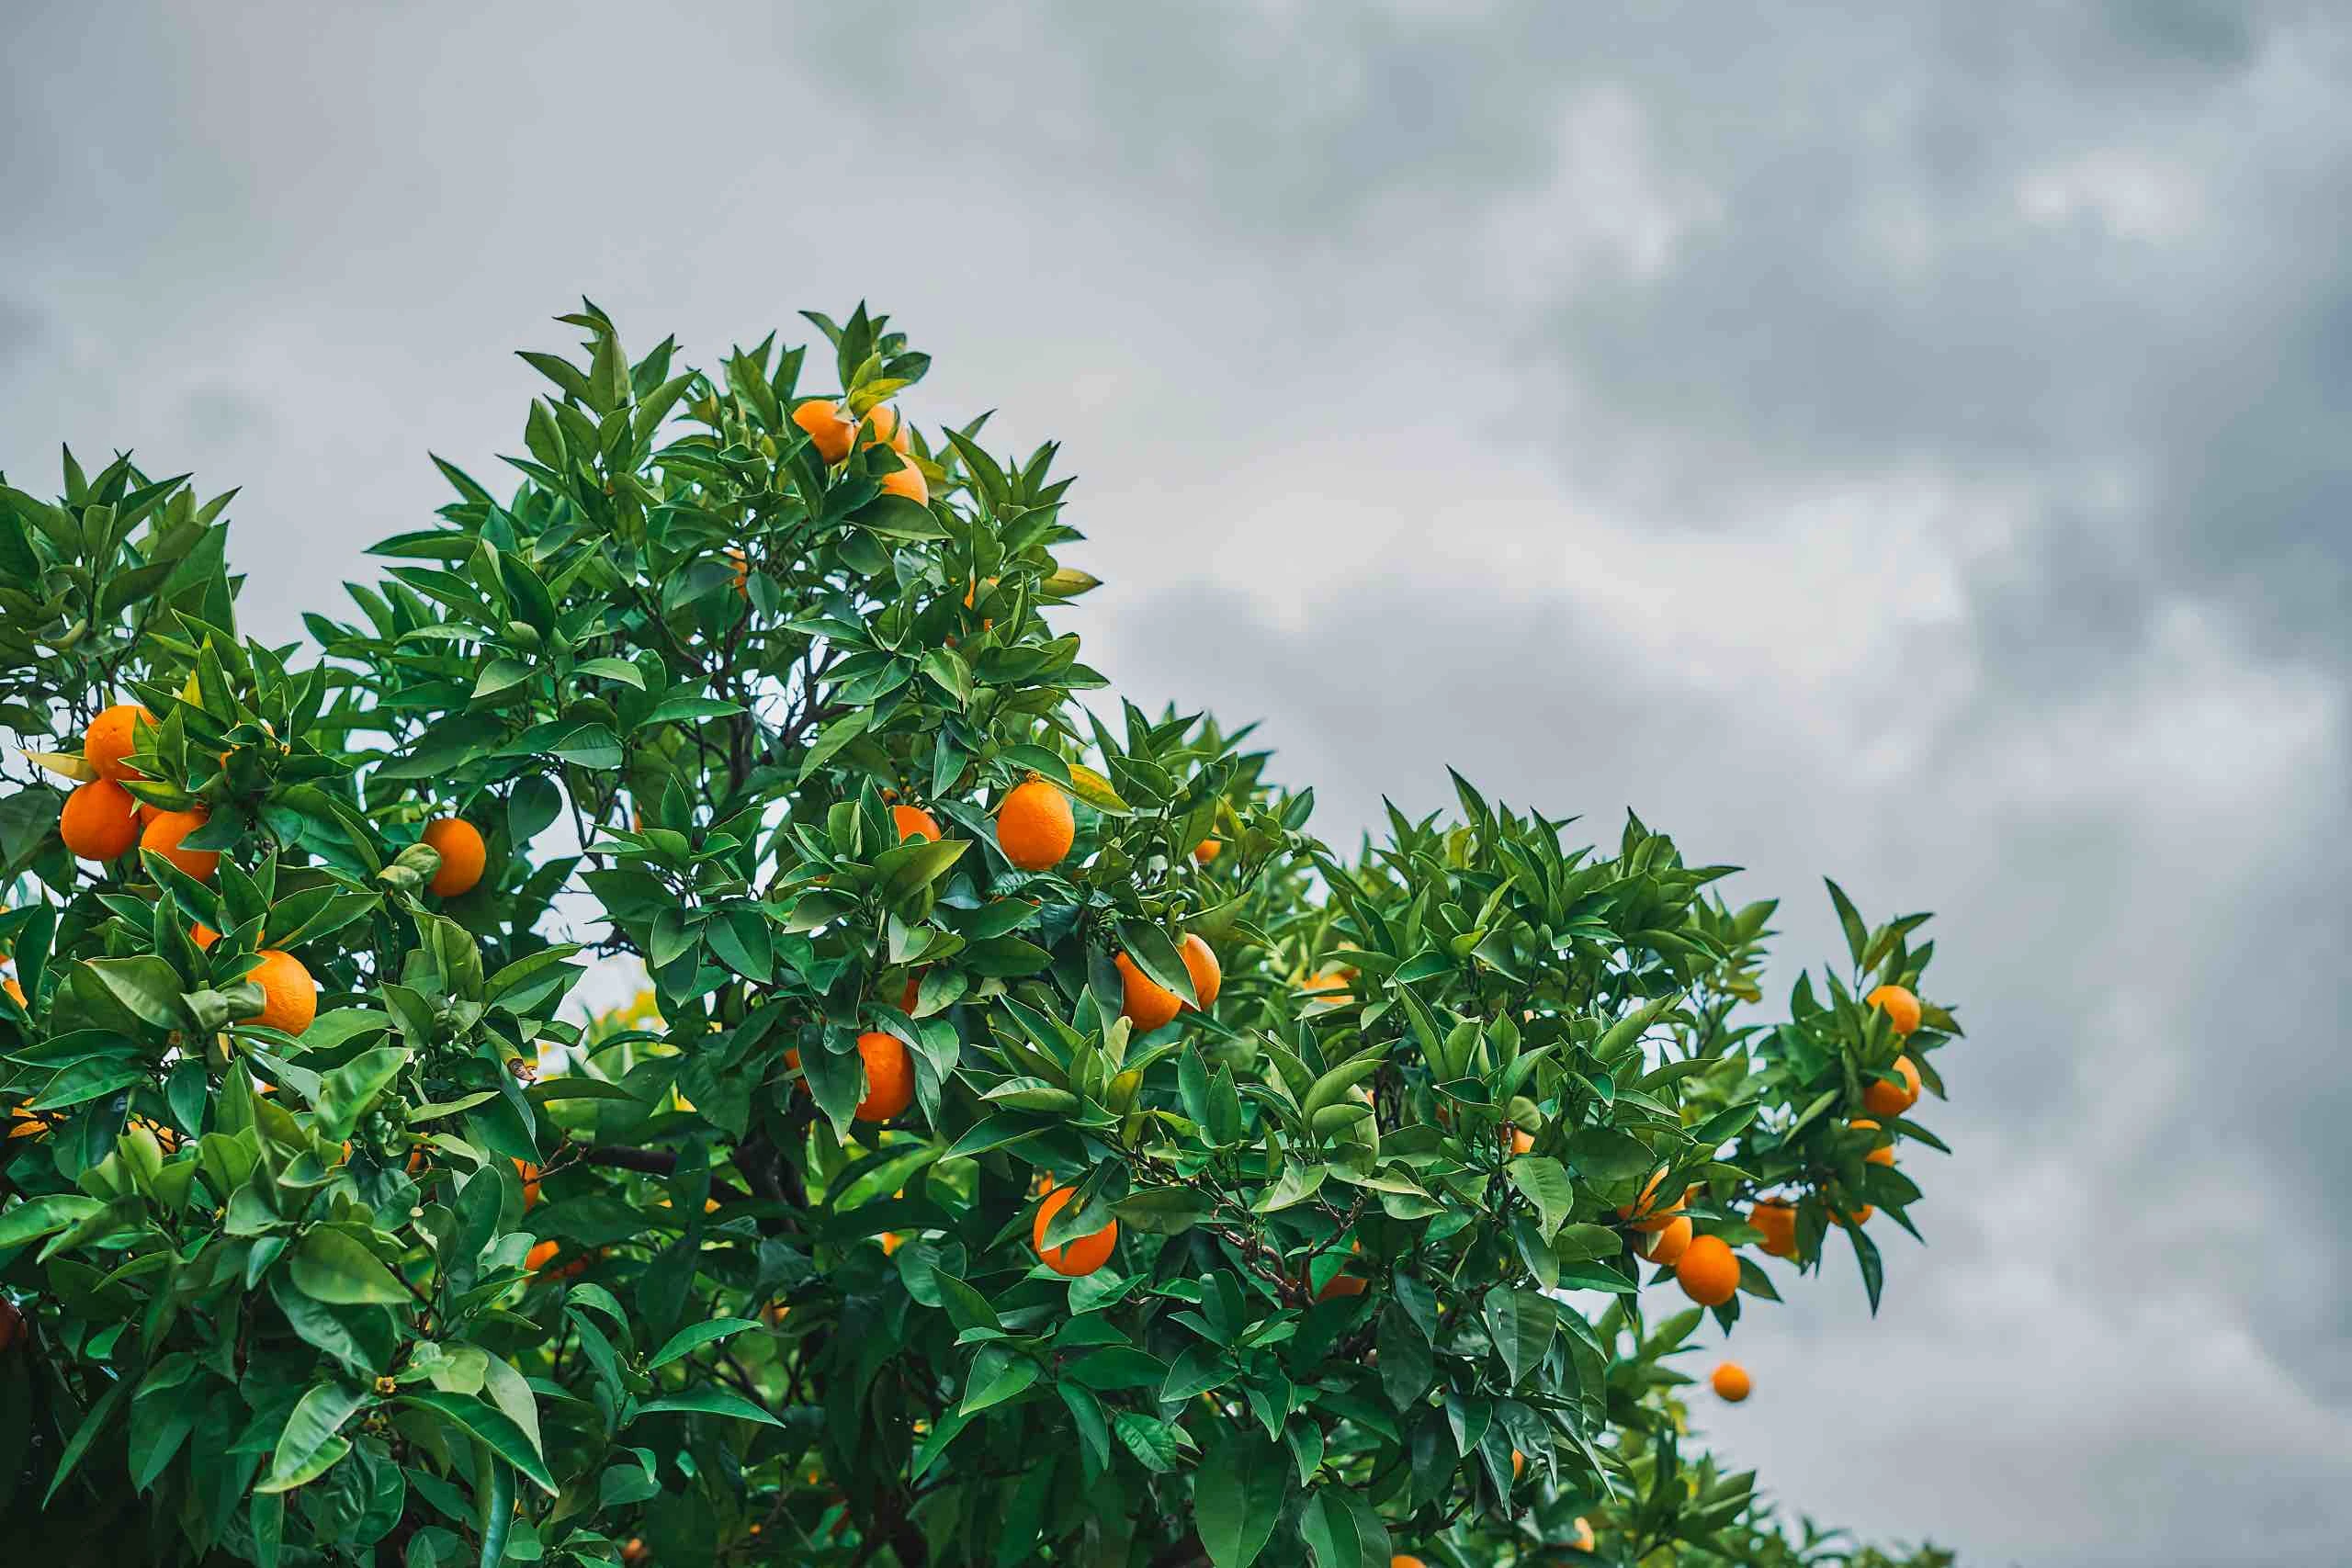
(1401, 1561)
(914, 823)
(540, 1255)
(290, 997)
(1709, 1271)
(110, 738)
(1901, 1009)
(1081, 1254)
(1200, 963)
(204, 936)
(889, 1078)
(906, 480)
(462, 853)
(883, 423)
(530, 1175)
(1342, 1284)
(1730, 1383)
(1146, 1004)
(1328, 988)
(1885, 1099)
(742, 571)
(1518, 1142)
(17, 995)
(1208, 849)
(99, 820)
(633, 1550)
(827, 428)
(1035, 827)
(1665, 1247)
(163, 835)
(1858, 1217)
(1885, 1152)
(1642, 1210)
(1583, 1541)
(1518, 1464)
(1778, 1221)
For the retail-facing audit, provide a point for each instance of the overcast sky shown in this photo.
(1907, 443)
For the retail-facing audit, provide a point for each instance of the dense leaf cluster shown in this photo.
(456, 1274)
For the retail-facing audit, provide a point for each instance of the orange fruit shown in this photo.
(889, 1240)
(914, 989)
(1665, 1247)
(634, 1551)
(1885, 1099)
(1640, 1210)
(1778, 1221)
(290, 997)
(530, 1175)
(1208, 849)
(1901, 1009)
(1729, 1382)
(1146, 1004)
(16, 994)
(914, 823)
(883, 423)
(1342, 1284)
(462, 854)
(889, 1078)
(1516, 1142)
(827, 428)
(1518, 1464)
(1035, 825)
(99, 820)
(1200, 963)
(1885, 1152)
(163, 835)
(1330, 987)
(1401, 1561)
(204, 936)
(1583, 1541)
(1709, 1271)
(742, 571)
(540, 1255)
(111, 737)
(1857, 1217)
(906, 480)
(1081, 1254)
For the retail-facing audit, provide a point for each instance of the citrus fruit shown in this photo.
(1035, 827)
(1729, 1382)
(1709, 1271)
(290, 997)
(99, 820)
(1207, 849)
(1665, 1247)
(828, 430)
(460, 842)
(914, 823)
(1901, 1009)
(163, 835)
(889, 1078)
(906, 480)
(112, 736)
(1147, 1003)
(1081, 1254)
(1200, 963)
(1885, 1099)
(1778, 1221)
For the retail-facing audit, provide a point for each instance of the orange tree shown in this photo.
(1037, 1145)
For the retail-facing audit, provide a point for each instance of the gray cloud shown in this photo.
(1902, 442)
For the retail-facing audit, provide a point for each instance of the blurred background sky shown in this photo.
(1903, 441)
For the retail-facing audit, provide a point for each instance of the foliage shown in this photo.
(456, 1273)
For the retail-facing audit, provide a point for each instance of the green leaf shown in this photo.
(1544, 1183)
(147, 986)
(310, 1447)
(696, 1334)
(1164, 1210)
(709, 1402)
(998, 1375)
(492, 1424)
(1520, 1324)
(346, 1093)
(1342, 1531)
(331, 1266)
(37, 1217)
(1238, 1496)
(1155, 956)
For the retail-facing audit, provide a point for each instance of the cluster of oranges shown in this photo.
(1705, 1265)
(103, 821)
(834, 433)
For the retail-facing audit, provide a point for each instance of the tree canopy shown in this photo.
(1034, 1145)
